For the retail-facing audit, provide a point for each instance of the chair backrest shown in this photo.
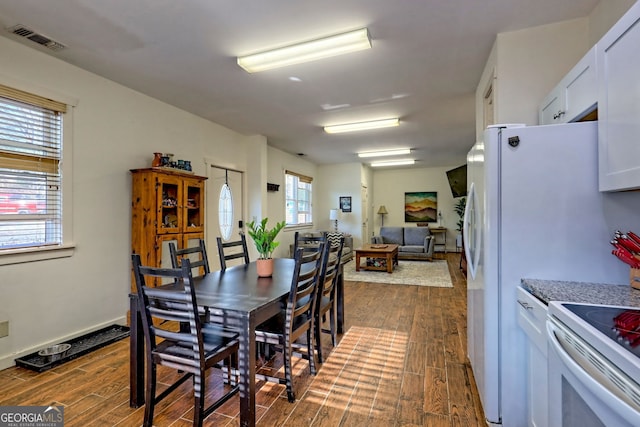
(301, 303)
(161, 308)
(308, 241)
(330, 267)
(226, 252)
(197, 256)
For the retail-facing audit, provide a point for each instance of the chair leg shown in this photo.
(198, 395)
(318, 335)
(311, 352)
(150, 399)
(332, 324)
(288, 368)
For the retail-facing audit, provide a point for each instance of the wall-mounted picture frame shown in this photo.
(421, 206)
(345, 203)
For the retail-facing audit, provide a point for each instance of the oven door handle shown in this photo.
(596, 382)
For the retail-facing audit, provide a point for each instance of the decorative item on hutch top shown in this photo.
(265, 242)
(165, 161)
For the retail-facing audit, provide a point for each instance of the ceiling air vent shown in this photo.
(22, 31)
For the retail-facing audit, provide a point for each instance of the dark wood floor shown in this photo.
(401, 362)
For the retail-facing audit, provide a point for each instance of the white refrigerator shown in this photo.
(533, 211)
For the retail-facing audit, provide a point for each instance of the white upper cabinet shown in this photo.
(618, 62)
(575, 96)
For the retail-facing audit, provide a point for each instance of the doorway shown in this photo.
(366, 231)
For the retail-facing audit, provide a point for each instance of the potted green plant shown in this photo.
(264, 240)
(459, 208)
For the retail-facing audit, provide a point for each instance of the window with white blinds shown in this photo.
(298, 198)
(30, 173)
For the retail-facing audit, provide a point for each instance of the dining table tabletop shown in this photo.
(242, 300)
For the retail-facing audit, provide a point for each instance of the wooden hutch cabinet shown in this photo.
(167, 206)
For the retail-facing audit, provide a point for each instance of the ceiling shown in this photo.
(424, 65)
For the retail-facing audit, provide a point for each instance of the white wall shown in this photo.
(115, 129)
(390, 186)
(336, 181)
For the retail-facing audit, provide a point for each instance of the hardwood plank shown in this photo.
(436, 394)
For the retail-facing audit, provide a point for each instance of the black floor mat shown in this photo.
(79, 346)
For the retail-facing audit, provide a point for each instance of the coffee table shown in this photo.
(386, 251)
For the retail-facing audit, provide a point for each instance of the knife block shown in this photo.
(634, 278)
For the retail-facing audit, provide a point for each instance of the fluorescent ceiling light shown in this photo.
(383, 153)
(307, 51)
(350, 127)
(393, 163)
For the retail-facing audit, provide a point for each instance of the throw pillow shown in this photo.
(334, 237)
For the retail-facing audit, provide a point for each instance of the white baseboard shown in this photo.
(7, 361)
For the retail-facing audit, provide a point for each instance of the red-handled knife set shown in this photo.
(627, 249)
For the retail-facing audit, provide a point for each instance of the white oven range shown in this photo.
(594, 365)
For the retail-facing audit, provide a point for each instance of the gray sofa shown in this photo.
(414, 242)
(347, 249)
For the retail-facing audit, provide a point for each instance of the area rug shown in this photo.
(418, 273)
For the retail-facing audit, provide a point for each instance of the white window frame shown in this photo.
(66, 248)
(298, 179)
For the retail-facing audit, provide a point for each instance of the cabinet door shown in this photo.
(574, 96)
(163, 255)
(551, 107)
(532, 317)
(193, 206)
(579, 87)
(619, 104)
(169, 198)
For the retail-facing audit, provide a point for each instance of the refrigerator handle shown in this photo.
(471, 225)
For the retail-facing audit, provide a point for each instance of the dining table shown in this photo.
(240, 299)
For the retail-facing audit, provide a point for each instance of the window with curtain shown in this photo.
(298, 199)
(30, 172)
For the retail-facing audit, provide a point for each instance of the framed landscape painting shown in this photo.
(421, 206)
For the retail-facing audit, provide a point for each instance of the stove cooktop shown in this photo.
(621, 325)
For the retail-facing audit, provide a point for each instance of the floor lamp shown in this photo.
(333, 216)
(382, 211)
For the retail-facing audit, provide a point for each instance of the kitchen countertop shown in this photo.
(582, 292)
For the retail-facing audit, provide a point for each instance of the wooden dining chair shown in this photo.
(326, 294)
(190, 351)
(228, 251)
(301, 240)
(297, 319)
(197, 256)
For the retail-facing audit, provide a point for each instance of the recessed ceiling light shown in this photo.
(328, 107)
(393, 163)
(390, 98)
(306, 51)
(383, 153)
(295, 79)
(351, 127)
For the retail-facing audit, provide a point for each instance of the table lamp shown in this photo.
(382, 211)
(333, 216)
